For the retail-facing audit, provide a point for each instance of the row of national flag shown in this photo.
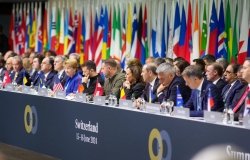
(125, 30)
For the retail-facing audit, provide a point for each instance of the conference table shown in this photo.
(67, 129)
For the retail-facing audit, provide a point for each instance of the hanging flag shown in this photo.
(76, 22)
(116, 35)
(163, 35)
(177, 28)
(170, 52)
(71, 40)
(134, 34)
(39, 33)
(61, 33)
(123, 39)
(128, 31)
(12, 39)
(109, 33)
(79, 33)
(45, 28)
(87, 45)
(98, 90)
(28, 27)
(196, 35)
(105, 34)
(20, 31)
(222, 49)
(137, 42)
(6, 78)
(210, 101)
(98, 37)
(179, 99)
(153, 31)
(32, 38)
(122, 94)
(144, 40)
(235, 37)
(66, 35)
(229, 38)
(204, 32)
(243, 42)
(57, 85)
(53, 38)
(212, 47)
(159, 30)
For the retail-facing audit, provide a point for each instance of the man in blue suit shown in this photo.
(58, 65)
(20, 75)
(149, 76)
(169, 82)
(200, 90)
(230, 91)
(48, 73)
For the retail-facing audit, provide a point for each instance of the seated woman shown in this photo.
(134, 85)
(74, 80)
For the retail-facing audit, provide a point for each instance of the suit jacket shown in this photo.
(112, 85)
(48, 82)
(90, 88)
(20, 77)
(170, 92)
(242, 105)
(192, 102)
(145, 94)
(135, 90)
(63, 78)
(232, 97)
(72, 84)
(221, 84)
(2, 73)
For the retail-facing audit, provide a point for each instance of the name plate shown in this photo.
(213, 117)
(153, 108)
(80, 97)
(60, 94)
(246, 121)
(99, 100)
(42, 91)
(125, 103)
(181, 112)
(9, 87)
(26, 89)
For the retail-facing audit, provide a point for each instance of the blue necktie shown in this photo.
(198, 100)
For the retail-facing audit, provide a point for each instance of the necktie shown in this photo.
(198, 99)
(150, 93)
(16, 74)
(226, 93)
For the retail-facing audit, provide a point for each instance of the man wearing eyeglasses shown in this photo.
(229, 92)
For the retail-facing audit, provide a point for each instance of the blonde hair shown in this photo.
(71, 63)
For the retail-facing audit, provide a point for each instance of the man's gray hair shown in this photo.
(166, 68)
(151, 67)
(18, 59)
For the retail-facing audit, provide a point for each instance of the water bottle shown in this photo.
(143, 104)
(163, 107)
(231, 116)
(111, 100)
(225, 116)
(114, 101)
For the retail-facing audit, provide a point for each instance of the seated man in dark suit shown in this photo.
(36, 67)
(48, 73)
(20, 75)
(230, 91)
(58, 66)
(149, 76)
(243, 105)
(214, 73)
(200, 90)
(168, 84)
